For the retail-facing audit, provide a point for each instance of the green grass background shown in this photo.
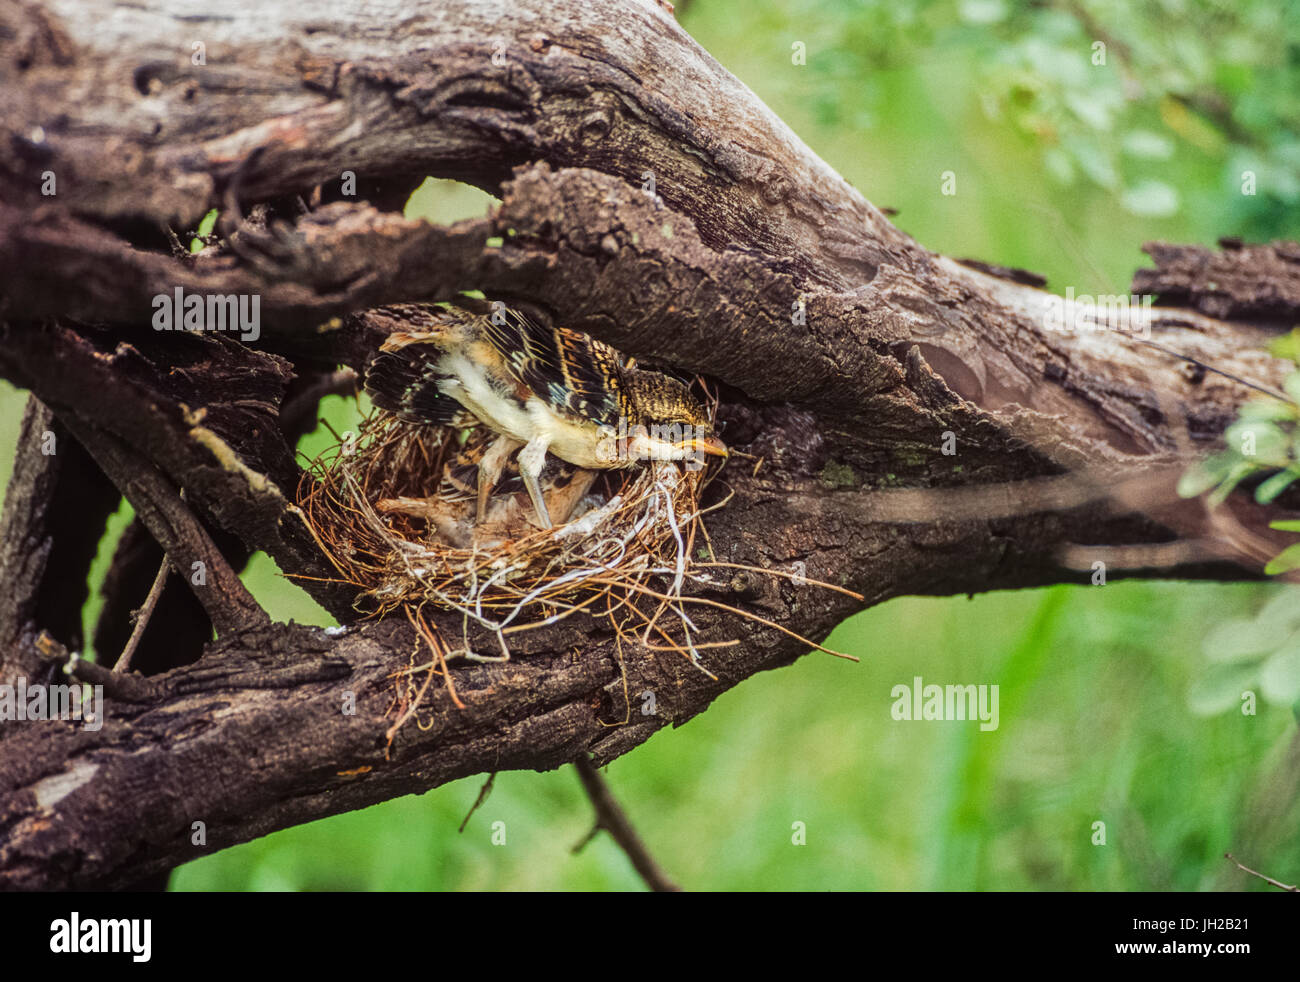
(1097, 723)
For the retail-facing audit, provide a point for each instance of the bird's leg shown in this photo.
(531, 460)
(489, 472)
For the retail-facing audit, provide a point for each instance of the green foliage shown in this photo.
(1132, 98)
(1260, 653)
(1264, 439)
(205, 228)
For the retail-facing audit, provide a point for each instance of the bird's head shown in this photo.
(668, 422)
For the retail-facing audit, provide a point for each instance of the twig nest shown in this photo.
(394, 511)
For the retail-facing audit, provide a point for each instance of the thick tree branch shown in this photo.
(55, 509)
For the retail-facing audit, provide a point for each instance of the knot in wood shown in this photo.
(596, 125)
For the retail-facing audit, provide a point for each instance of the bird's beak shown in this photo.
(710, 445)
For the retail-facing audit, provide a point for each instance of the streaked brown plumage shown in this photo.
(547, 389)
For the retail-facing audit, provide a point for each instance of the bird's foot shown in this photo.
(531, 461)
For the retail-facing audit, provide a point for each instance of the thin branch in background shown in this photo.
(142, 617)
(1267, 879)
(164, 512)
(611, 818)
(483, 793)
(296, 412)
(582, 843)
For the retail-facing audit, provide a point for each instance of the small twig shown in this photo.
(419, 696)
(127, 688)
(440, 653)
(789, 576)
(611, 818)
(423, 631)
(733, 610)
(142, 617)
(483, 793)
(1266, 390)
(585, 841)
(1267, 879)
(294, 413)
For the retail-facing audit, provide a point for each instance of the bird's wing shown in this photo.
(403, 379)
(591, 379)
(571, 371)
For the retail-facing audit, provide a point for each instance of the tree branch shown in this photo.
(611, 817)
(189, 548)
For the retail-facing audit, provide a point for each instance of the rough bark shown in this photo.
(845, 352)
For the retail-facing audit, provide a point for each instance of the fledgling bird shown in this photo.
(545, 389)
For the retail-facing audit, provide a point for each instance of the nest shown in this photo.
(397, 522)
(394, 510)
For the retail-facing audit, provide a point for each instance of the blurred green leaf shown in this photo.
(1292, 386)
(1221, 688)
(1279, 679)
(1267, 410)
(1205, 474)
(1258, 442)
(1271, 487)
(1282, 608)
(208, 223)
(1286, 346)
(1238, 473)
(1243, 640)
(1287, 560)
(1151, 199)
(1148, 145)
